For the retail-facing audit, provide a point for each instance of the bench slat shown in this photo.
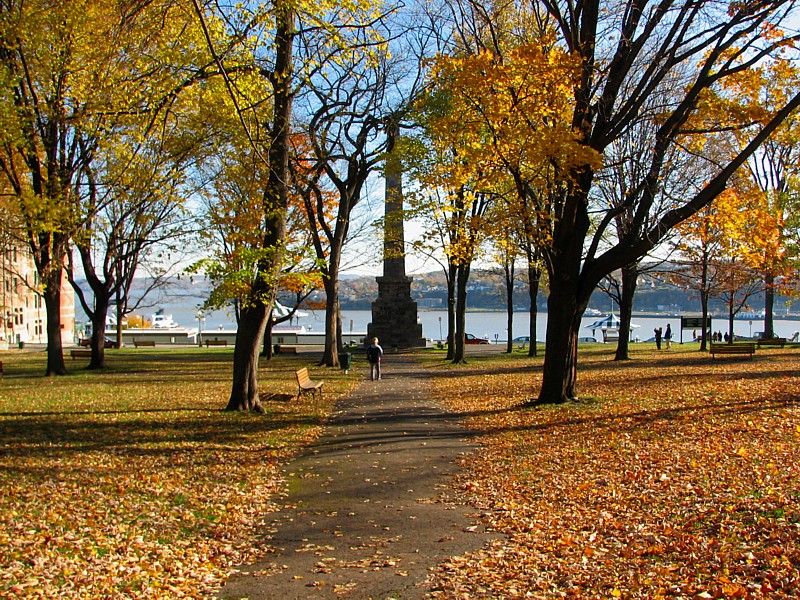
(747, 348)
(771, 342)
(140, 343)
(305, 384)
(216, 343)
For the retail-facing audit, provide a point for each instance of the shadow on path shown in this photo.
(367, 514)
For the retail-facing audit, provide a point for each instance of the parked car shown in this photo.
(471, 339)
(107, 342)
(587, 340)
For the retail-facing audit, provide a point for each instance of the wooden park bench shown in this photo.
(776, 341)
(740, 348)
(285, 349)
(80, 353)
(305, 384)
(143, 343)
(216, 343)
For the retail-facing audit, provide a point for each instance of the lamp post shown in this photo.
(200, 318)
(440, 329)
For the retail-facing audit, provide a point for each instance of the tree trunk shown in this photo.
(561, 359)
(330, 355)
(266, 346)
(52, 303)
(253, 315)
(704, 297)
(244, 391)
(462, 278)
(509, 275)
(730, 320)
(534, 277)
(98, 310)
(101, 304)
(704, 308)
(629, 275)
(769, 306)
(451, 312)
(510, 327)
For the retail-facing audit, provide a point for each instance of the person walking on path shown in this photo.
(657, 331)
(668, 336)
(374, 354)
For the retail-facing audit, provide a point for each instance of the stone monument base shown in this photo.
(394, 316)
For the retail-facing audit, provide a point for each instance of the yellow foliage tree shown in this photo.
(500, 118)
(72, 73)
(771, 178)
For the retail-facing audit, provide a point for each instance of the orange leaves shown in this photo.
(679, 481)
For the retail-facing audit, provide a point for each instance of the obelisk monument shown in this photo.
(394, 313)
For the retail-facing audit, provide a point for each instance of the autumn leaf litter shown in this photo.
(679, 479)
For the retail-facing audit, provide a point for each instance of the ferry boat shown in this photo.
(163, 321)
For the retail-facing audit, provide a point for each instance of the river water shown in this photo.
(489, 324)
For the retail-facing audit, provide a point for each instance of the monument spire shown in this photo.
(394, 313)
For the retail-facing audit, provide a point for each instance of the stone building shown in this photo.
(24, 318)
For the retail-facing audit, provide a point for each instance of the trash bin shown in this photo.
(345, 361)
(21, 345)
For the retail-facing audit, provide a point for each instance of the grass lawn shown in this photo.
(133, 482)
(677, 476)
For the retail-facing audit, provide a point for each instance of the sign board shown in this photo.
(695, 323)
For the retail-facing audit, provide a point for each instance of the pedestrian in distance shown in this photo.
(374, 353)
(657, 331)
(668, 336)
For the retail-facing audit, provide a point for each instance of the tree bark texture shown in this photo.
(451, 311)
(333, 328)
(629, 276)
(99, 315)
(52, 303)
(534, 277)
(561, 359)
(509, 275)
(769, 306)
(462, 277)
(244, 389)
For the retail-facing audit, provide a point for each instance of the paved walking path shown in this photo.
(366, 515)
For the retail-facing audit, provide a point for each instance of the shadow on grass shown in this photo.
(382, 427)
(62, 435)
(705, 368)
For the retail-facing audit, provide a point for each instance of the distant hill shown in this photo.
(486, 291)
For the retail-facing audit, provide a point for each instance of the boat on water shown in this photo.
(752, 315)
(160, 320)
